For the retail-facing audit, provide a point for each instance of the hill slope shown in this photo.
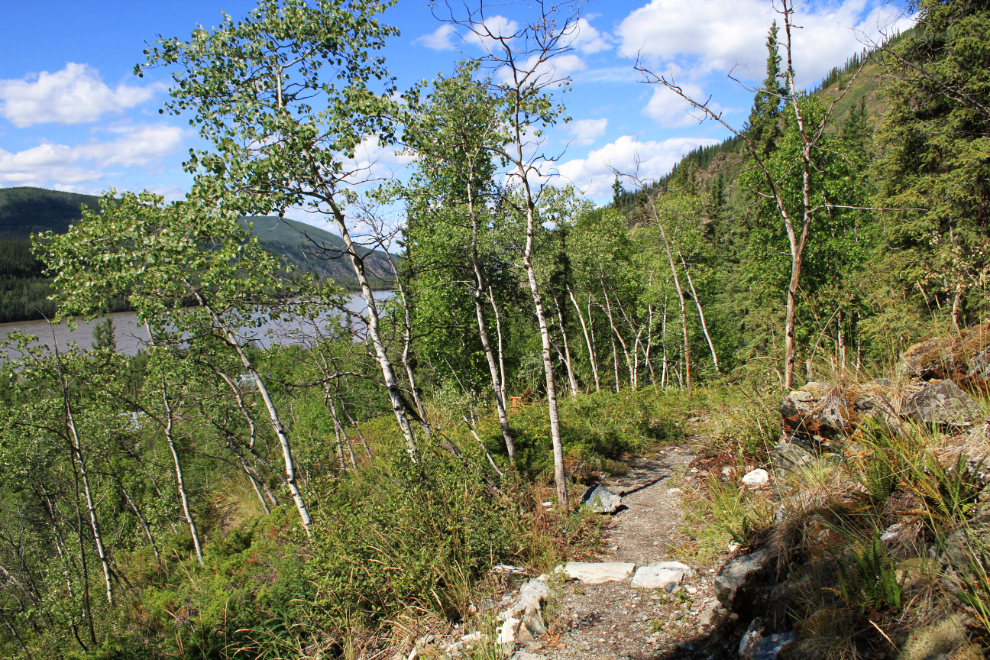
(24, 211)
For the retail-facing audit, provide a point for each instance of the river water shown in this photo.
(131, 337)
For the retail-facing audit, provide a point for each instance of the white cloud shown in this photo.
(672, 111)
(648, 160)
(63, 165)
(372, 162)
(586, 38)
(493, 27)
(706, 36)
(549, 72)
(585, 131)
(439, 39)
(74, 95)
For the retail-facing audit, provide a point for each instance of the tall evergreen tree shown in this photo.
(764, 120)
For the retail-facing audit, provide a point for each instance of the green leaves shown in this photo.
(284, 96)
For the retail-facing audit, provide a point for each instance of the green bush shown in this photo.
(408, 535)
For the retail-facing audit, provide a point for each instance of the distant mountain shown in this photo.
(24, 211)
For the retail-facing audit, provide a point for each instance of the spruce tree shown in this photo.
(763, 125)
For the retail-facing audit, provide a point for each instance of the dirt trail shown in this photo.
(614, 620)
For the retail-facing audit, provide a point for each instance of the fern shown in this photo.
(868, 579)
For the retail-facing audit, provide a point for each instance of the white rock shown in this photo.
(727, 471)
(598, 572)
(756, 478)
(674, 491)
(665, 575)
(531, 596)
(507, 631)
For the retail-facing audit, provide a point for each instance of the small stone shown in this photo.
(598, 572)
(674, 491)
(737, 573)
(664, 575)
(601, 499)
(728, 471)
(708, 615)
(756, 478)
(692, 590)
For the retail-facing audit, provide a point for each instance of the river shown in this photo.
(131, 337)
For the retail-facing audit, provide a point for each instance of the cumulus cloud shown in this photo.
(586, 38)
(585, 131)
(648, 160)
(64, 165)
(549, 72)
(717, 35)
(494, 27)
(439, 39)
(673, 111)
(373, 162)
(74, 95)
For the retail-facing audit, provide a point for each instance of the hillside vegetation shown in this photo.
(24, 288)
(376, 488)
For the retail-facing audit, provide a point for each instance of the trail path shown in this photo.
(614, 619)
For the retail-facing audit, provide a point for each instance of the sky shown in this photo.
(73, 116)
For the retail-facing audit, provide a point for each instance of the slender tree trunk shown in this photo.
(956, 306)
(381, 353)
(680, 295)
(701, 312)
(276, 422)
(567, 350)
(587, 340)
(179, 480)
(560, 478)
(501, 352)
(90, 504)
(87, 605)
(663, 335)
(141, 519)
(479, 291)
(617, 335)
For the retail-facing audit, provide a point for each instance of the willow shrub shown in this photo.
(398, 535)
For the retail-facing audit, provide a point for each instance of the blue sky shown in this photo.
(74, 117)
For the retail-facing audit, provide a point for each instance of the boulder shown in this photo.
(756, 479)
(736, 574)
(598, 572)
(943, 405)
(601, 499)
(531, 597)
(791, 458)
(664, 575)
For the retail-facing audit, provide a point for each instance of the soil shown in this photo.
(614, 620)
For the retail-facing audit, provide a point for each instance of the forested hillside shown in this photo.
(24, 289)
(374, 488)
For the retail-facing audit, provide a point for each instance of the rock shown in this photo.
(708, 615)
(756, 478)
(508, 630)
(791, 458)
(751, 639)
(943, 405)
(728, 471)
(674, 491)
(736, 574)
(601, 499)
(664, 575)
(531, 597)
(598, 572)
(770, 647)
(526, 655)
(532, 628)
